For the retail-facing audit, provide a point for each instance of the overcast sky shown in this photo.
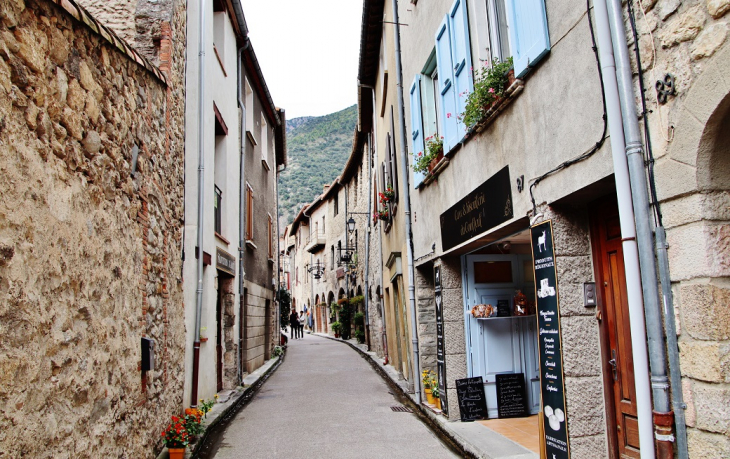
(308, 51)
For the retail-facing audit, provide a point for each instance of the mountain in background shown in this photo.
(317, 150)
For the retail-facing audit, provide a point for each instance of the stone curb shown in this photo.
(228, 401)
(462, 435)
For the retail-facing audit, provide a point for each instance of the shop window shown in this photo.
(493, 272)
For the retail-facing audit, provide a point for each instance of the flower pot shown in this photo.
(434, 162)
(437, 402)
(337, 335)
(176, 453)
(429, 397)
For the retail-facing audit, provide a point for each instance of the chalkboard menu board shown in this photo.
(503, 309)
(511, 399)
(555, 424)
(472, 400)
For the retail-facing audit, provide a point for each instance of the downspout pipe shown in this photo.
(663, 416)
(367, 248)
(201, 199)
(416, 367)
(628, 231)
(241, 203)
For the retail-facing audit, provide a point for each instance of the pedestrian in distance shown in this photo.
(302, 321)
(293, 324)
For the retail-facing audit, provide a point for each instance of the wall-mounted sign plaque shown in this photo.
(440, 347)
(225, 262)
(489, 205)
(551, 356)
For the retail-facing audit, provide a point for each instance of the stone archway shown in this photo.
(693, 181)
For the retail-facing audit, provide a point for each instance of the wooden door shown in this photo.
(219, 342)
(617, 361)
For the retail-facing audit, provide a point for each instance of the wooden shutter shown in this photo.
(249, 213)
(461, 60)
(528, 33)
(446, 85)
(393, 157)
(417, 145)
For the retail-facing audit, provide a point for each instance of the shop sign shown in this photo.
(487, 206)
(472, 399)
(554, 418)
(440, 346)
(225, 262)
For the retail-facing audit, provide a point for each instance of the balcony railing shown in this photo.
(316, 242)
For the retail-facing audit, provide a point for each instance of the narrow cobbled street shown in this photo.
(325, 401)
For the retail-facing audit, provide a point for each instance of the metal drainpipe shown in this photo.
(367, 250)
(201, 199)
(663, 416)
(407, 205)
(628, 231)
(241, 202)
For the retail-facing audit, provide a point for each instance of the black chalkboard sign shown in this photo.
(503, 309)
(511, 399)
(472, 400)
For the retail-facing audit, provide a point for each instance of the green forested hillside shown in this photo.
(317, 149)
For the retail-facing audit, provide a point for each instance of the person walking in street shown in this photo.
(302, 322)
(293, 323)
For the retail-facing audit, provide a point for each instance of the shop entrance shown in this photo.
(502, 343)
(617, 360)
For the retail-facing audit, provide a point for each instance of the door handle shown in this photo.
(614, 367)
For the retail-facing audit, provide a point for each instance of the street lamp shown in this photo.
(350, 224)
(316, 269)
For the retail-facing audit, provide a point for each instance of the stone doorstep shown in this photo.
(475, 439)
(227, 400)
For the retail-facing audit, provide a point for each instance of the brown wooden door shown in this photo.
(617, 360)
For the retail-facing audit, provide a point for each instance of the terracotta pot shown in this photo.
(176, 453)
(429, 397)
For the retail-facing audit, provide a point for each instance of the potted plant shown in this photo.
(176, 438)
(436, 393)
(428, 379)
(193, 423)
(387, 196)
(337, 328)
(382, 215)
(425, 161)
(489, 86)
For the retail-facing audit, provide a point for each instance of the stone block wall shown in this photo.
(583, 379)
(258, 322)
(89, 251)
(689, 39)
(454, 341)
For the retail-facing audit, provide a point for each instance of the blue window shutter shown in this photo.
(528, 33)
(446, 87)
(416, 127)
(461, 56)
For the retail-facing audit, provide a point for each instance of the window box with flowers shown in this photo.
(382, 215)
(425, 162)
(494, 87)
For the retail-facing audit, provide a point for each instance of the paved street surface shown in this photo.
(325, 401)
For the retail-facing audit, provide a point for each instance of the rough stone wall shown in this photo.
(426, 313)
(118, 15)
(579, 334)
(690, 39)
(89, 252)
(454, 341)
(258, 324)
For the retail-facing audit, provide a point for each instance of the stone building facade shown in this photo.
(91, 150)
(544, 136)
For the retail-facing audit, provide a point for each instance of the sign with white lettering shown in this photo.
(440, 346)
(225, 262)
(472, 399)
(551, 357)
(487, 206)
